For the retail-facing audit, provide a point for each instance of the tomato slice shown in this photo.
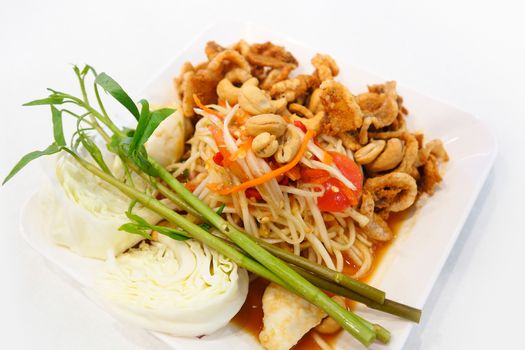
(218, 158)
(334, 198)
(253, 194)
(351, 171)
(337, 196)
(317, 176)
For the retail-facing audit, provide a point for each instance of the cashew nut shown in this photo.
(328, 325)
(229, 92)
(279, 105)
(390, 158)
(370, 152)
(264, 145)
(271, 123)
(313, 123)
(254, 100)
(289, 147)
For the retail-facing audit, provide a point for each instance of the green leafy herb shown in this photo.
(51, 100)
(115, 90)
(93, 151)
(58, 129)
(52, 149)
(147, 124)
(140, 226)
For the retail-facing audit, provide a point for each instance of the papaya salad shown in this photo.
(254, 176)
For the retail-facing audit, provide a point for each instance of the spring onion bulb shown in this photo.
(182, 288)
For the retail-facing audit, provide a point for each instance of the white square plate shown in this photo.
(412, 264)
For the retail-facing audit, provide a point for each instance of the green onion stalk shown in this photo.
(296, 274)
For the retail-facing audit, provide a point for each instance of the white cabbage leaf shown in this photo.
(84, 213)
(182, 288)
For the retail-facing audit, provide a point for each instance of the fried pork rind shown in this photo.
(201, 83)
(294, 89)
(287, 318)
(276, 75)
(212, 49)
(394, 191)
(325, 67)
(268, 55)
(342, 111)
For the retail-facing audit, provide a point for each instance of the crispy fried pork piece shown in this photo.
(276, 75)
(409, 162)
(394, 191)
(212, 49)
(342, 111)
(202, 83)
(384, 114)
(269, 55)
(293, 89)
(431, 176)
(325, 67)
(434, 147)
(378, 229)
(287, 318)
(178, 81)
(227, 60)
(349, 141)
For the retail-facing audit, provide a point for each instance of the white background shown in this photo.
(470, 54)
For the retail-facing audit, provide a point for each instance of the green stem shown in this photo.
(388, 306)
(302, 287)
(329, 274)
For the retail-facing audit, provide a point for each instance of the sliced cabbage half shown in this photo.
(181, 288)
(84, 213)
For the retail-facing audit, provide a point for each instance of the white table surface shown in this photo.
(469, 54)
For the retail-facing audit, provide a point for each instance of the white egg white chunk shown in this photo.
(181, 288)
(287, 318)
(166, 144)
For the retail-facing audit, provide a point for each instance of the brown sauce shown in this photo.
(250, 317)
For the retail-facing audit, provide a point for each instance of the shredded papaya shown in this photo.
(294, 174)
(267, 177)
(243, 149)
(227, 161)
(206, 109)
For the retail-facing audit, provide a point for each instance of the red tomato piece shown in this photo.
(318, 176)
(334, 198)
(218, 158)
(351, 171)
(253, 194)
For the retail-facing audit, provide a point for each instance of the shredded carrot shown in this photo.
(267, 177)
(206, 109)
(222, 103)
